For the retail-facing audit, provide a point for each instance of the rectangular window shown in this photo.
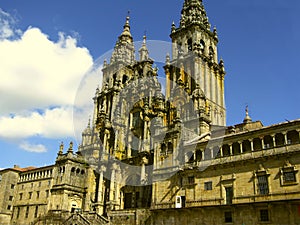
(10, 198)
(9, 207)
(21, 196)
(30, 195)
(289, 177)
(228, 217)
(18, 212)
(263, 186)
(37, 194)
(229, 195)
(27, 212)
(264, 215)
(208, 186)
(40, 184)
(47, 193)
(36, 211)
(191, 180)
(12, 186)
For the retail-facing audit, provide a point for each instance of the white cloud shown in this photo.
(7, 25)
(38, 148)
(52, 123)
(37, 73)
(39, 79)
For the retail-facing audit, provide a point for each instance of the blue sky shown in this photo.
(47, 46)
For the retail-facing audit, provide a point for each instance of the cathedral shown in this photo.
(162, 154)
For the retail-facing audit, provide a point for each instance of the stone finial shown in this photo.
(173, 29)
(70, 147)
(247, 118)
(61, 148)
(167, 59)
(144, 53)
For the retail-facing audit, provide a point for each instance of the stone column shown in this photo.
(230, 148)
(285, 137)
(221, 151)
(273, 140)
(251, 144)
(241, 147)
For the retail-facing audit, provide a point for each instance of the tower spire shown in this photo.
(193, 12)
(124, 48)
(144, 53)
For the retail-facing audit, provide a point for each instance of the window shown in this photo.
(27, 212)
(264, 215)
(47, 193)
(9, 207)
(289, 177)
(208, 186)
(288, 174)
(191, 180)
(228, 217)
(263, 186)
(10, 198)
(190, 44)
(30, 195)
(12, 186)
(229, 195)
(49, 183)
(20, 196)
(40, 184)
(36, 211)
(31, 185)
(18, 212)
(37, 194)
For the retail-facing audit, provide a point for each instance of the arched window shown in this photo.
(124, 79)
(170, 147)
(190, 44)
(292, 137)
(202, 46)
(211, 51)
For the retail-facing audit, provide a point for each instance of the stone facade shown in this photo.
(153, 158)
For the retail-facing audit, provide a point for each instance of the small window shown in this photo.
(264, 215)
(30, 195)
(49, 183)
(190, 44)
(12, 186)
(228, 217)
(20, 196)
(9, 207)
(191, 180)
(263, 186)
(18, 212)
(36, 211)
(10, 198)
(289, 177)
(37, 194)
(31, 185)
(229, 195)
(208, 186)
(47, 193)
(27, 212)
(40, 184)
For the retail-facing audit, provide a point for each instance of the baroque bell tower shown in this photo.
(195, 67)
